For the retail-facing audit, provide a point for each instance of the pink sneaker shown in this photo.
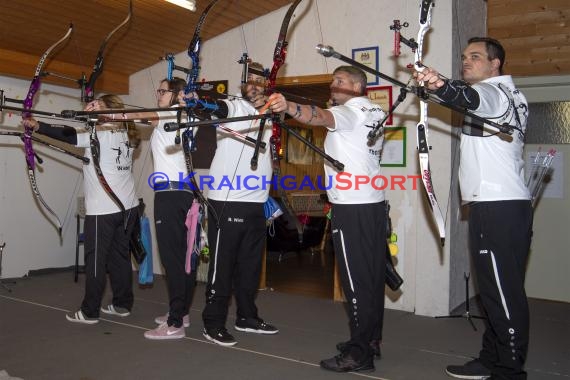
(164, 331)
(164, 318)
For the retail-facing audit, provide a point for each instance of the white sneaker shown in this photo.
(164, 318)
(79, 317)
(164, 331)
(116, 310)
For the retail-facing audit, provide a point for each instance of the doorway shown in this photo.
(307, 267)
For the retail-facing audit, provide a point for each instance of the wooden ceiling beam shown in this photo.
(23, 66)
(304, 80)
(537, 68)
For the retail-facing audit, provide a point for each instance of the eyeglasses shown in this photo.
(255, 80)
(162, 91)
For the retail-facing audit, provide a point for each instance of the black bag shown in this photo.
(393, 279)
(135, 243)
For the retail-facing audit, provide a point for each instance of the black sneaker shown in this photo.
(374, 346)
(116, 310)
(345, 363)
(220, 336)
(473, 369)
(257, 326)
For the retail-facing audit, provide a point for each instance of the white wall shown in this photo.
(31, 240)
(549, 262)
(346, 25)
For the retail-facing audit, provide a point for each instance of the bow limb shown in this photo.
(95, 153)
(279, 55)
(93, 138)
(422, 128)
(194, 51)
(95, 147)
(187, 138)
(191, 86)
(89, 91)
(280, 52)
(28, 131)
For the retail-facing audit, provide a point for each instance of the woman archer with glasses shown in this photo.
(163, 91)
(172, 200)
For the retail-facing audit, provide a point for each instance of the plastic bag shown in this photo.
(272, 211)
(146, 275)
(193, 218)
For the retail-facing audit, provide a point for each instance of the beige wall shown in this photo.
(549, 264)
(31, 240)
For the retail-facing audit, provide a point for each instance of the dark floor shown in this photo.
(303, 273)
(38, 343)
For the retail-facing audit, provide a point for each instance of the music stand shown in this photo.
(467, 313)
(4, 282)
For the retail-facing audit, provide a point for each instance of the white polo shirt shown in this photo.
(347, 143)
(491, 164)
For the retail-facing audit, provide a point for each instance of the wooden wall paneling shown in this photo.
(535, 34)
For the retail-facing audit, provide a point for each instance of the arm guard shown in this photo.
(64, 133)
(459, 93)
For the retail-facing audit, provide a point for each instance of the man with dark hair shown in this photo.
(491, 176)
(358, 210)
(494, 49)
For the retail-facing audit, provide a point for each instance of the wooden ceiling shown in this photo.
(535, 34)
(28, 28)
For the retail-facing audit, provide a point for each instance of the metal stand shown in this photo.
(467, 313)
(4, 282)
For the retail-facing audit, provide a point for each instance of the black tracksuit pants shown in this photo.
(359, 238)
(236, 253)
(170, 210)
(107, 250)
(500, 236)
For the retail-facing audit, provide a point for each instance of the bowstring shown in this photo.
(250, 129)
(318, 22)
(80, 174)
(454, 155)
(149, 148)
(244, 40)
(457, 133)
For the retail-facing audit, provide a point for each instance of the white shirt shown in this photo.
(347, 143)
(491, 166)
(168, 157)
(232, 161)
(116, 158)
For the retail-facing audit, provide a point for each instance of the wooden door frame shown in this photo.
(304, 80)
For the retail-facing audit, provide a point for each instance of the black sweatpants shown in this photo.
(107, 250)
(236, 253)
(500, 235)
(170, 209)
(359, 238)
